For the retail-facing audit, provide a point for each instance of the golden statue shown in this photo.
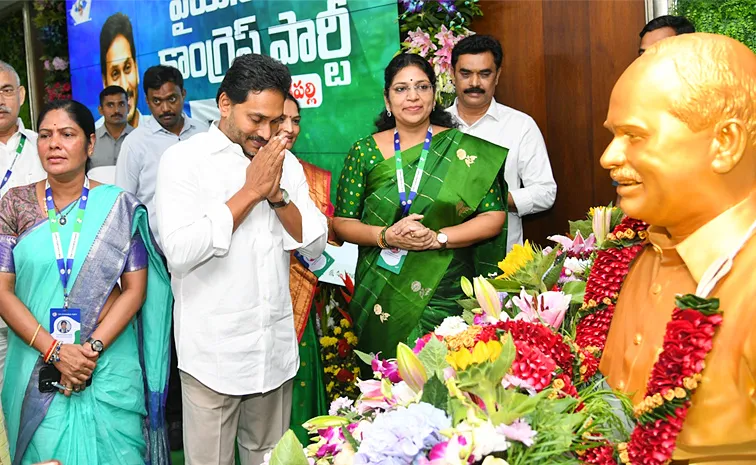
(683, 117)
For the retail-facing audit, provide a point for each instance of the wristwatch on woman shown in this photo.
(442, 239)
(284, 202)
(96, 344)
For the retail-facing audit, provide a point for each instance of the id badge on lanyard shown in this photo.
(392, 259)
(65, 323)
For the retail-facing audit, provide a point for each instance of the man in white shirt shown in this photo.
(136, 172)
(19, 161)
(231, 205)
(477, 66)
(137, 164)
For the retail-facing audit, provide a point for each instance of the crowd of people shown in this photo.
(164, 315)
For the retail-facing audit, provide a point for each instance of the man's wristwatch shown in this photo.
(442, 239)
(284, 202)
(96, 344)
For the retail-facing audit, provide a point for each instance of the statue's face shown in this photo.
(659, 162)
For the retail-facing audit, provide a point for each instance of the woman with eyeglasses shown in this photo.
(77, 252)
(423, 202)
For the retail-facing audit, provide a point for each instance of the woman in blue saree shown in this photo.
(117, 332)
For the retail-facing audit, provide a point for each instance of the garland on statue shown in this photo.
(688, 339)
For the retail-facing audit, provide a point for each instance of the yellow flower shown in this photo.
(516, 259)
(350, 338)
(327, 341)
(337, 330)
(460, 359)
(485, 351)
(345, 323)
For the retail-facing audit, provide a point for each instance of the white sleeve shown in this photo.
(189, 234)
(314, 223)
(128, 167)
(533, 167)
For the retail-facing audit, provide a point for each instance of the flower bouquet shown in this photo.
(515, 380)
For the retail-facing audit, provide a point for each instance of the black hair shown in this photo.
(254, 73)
(112, 90)
(438, 116)
(477, 44)
(116, 25)
(156, 76)
(680, 24)
(293, 99)
(79, 113)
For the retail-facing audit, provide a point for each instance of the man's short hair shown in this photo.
(476, 44)
(116, 25)
(254, 73)
(112, 90)
(680, 24)
(7, 68)
(715, 85)
(156, 76)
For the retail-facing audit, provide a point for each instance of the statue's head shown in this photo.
(683, 117)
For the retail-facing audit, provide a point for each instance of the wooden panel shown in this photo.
(522, 84)
(561, 60)
(614, 45)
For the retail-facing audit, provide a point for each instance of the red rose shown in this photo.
(344, 376)
(344, 348)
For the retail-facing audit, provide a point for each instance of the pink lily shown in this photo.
(549, 307)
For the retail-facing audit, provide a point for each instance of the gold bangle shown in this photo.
(34, 338)
(382, 239)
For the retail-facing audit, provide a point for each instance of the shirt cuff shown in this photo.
(523, 200)
(222, 224)
(314, 228)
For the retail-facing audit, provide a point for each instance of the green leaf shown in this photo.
(584, 226)
(552, 276)
(506, 285)
(435, 393)
(433, 357)
(502, 364)
(576, 289)
(513, 405)
(694, 302)
(350, 439)
(468, 316)
(366, 358)
(288, 451)
(469, 304)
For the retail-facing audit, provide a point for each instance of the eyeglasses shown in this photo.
(8, 92)
(419, 88)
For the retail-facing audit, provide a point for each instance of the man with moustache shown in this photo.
(19, 161)
(114, 108)
(684, 155)
(232, 204)
(477, 66)
(136, 172)
(118, 62)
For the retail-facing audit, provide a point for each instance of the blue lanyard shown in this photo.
(407, 202)
(65, 266)
(19, 149)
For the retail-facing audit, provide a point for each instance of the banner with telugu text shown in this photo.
(336, 51)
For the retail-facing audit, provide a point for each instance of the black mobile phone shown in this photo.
(48, 375)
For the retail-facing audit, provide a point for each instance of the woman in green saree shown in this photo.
(91, 391)
(417, 238)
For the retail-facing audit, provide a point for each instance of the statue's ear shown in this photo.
(729, 145)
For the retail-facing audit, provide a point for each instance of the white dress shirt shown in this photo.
(28, 168)
(137, 164)
(527, 169)
(233, 316)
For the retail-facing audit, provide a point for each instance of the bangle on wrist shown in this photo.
(34, 338)
(382, 243)
(53, 353)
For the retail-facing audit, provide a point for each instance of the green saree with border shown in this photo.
(460, 180)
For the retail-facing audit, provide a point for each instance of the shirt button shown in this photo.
(638, 339)
(621, 385)
(656, 289)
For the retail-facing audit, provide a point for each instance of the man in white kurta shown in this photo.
(231, 205)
